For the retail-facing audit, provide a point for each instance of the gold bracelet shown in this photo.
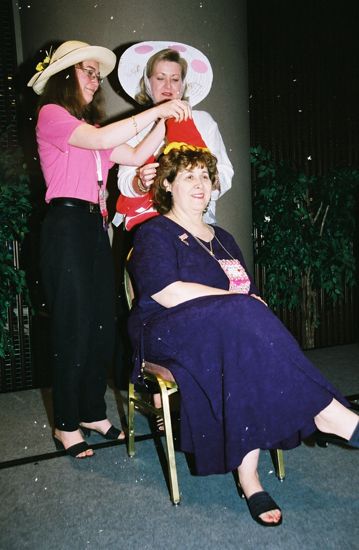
(135, 124)
(140, 185)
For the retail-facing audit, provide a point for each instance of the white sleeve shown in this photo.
(208, 129)
(125, 177)
(126, 174)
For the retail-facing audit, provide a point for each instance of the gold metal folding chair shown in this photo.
(162, 378)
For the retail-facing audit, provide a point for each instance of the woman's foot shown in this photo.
(157, 403)
(73, 441)
(251, 486)
(105, 428)
(260, 504)
(159, 424)
(337, 420)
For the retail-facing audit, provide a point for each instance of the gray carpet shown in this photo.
(113, 502)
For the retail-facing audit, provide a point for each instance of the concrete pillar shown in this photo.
(218, 28)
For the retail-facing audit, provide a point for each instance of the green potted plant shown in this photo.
(14, 213)
(304, 230)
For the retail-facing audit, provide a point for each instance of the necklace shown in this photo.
(210, 249)
(238, 278)
(203, 226)
(201, 243)
(237, 275)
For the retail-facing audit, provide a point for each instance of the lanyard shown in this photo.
(101, 191)
(238, 278)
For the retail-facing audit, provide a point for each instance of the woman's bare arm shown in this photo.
(115, 134)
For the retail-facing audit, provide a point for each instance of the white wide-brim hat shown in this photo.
(134, 60)
(68, 54)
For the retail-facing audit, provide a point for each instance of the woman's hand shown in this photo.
(146, 174)
(258, 298)
(176, 108)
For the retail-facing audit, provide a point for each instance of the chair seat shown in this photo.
(159, 370)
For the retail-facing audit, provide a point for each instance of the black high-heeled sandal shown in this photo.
(111, 434)
(74, 450)
(260, 503)
(159, 424)
(354, 440)
(322, 439)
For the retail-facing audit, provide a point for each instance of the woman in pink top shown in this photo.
(76, 155)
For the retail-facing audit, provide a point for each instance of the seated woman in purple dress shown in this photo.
(245, 384)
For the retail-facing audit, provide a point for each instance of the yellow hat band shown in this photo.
(182, 144)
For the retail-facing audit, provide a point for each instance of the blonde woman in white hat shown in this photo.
(156, 72)
(76, 155)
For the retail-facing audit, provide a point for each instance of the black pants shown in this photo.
(77, 271)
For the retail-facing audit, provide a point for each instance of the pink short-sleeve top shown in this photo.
(68, 171)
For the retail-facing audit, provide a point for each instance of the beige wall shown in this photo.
(218, 28)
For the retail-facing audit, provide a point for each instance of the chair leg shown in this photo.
(278, 461)
(171, 459)
(131, 420)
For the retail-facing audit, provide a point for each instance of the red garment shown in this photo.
(136, 209)
(183, 132)
(139, 209)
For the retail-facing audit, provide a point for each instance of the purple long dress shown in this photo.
(244, 382)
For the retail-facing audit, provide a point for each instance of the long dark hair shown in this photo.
(63, 89)
(172, 163)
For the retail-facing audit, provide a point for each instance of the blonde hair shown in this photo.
(163, 55)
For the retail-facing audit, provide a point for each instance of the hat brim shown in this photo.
(105, 58)
(133, 61)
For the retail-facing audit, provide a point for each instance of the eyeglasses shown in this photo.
(91, 73)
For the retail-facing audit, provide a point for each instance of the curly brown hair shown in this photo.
(174, 162)
(63, 89)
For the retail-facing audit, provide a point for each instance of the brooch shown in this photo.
(183, 238)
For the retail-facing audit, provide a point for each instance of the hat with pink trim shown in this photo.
(133, 63)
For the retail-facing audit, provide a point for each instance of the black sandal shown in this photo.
(322, 439)
(262, 502)
(159, 424)
(111, 434)
(74, 450)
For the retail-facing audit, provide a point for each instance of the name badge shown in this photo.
(237, 275)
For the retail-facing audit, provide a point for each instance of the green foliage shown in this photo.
(304, 229)
(14, 212)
